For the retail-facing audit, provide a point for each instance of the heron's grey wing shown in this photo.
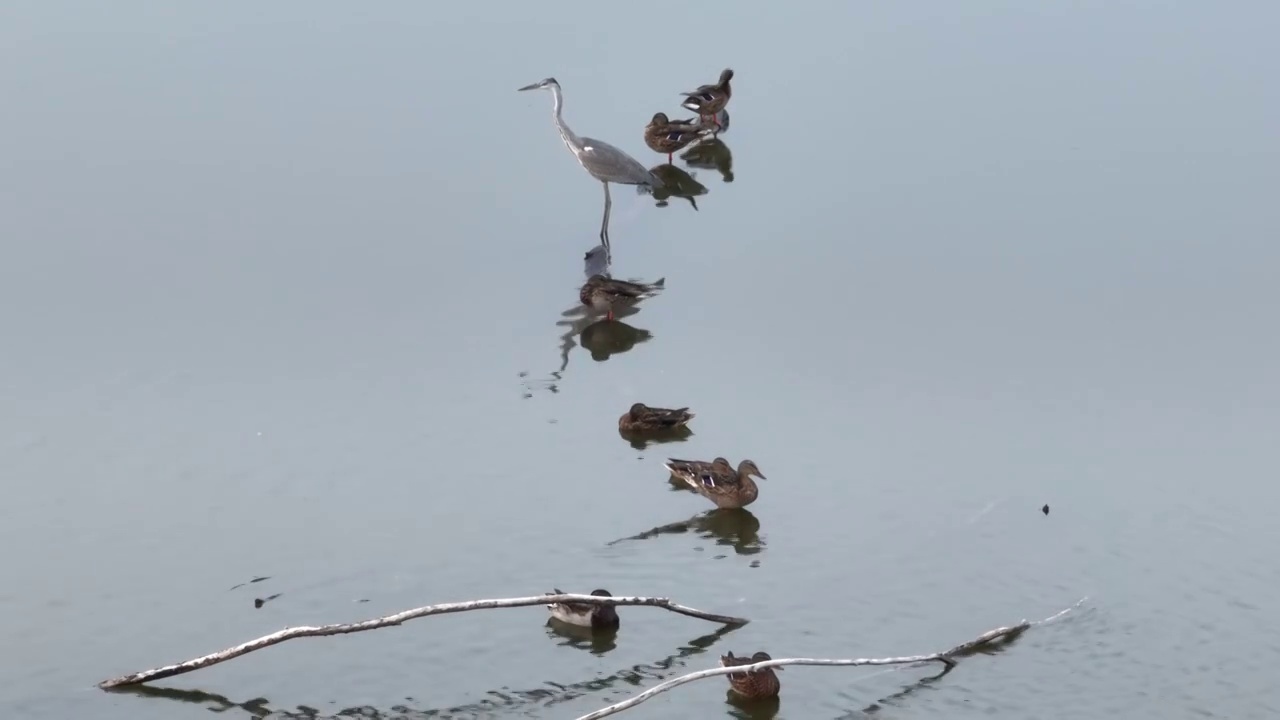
(608, 163)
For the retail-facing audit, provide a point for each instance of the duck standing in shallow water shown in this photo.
(757, 685)
(718, 482)
(603, 293)
(642, 418)
(664, 135)
(709, 100)
(596, 617)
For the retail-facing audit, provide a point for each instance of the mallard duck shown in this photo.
(664, 135)
(603, 293)
(718, 481)
(709, 100)
(756, 685)
(642, 418)
(597, 617)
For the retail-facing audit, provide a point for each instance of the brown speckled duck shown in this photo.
(718, 481)
(664, 135)
(642, 418)
(596, 617)
(709, 100)
(603, 293)
(757, 685)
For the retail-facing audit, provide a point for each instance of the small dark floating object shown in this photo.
(259, 602)
(1045, 509)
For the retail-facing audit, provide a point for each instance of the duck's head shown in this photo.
(748, 467)
(725, 75)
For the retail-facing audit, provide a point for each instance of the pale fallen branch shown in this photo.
(946, 657)
(397, 619)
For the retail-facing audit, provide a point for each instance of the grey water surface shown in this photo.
(289, 291)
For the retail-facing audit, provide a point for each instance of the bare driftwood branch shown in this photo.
(400, 618)
(946, 657)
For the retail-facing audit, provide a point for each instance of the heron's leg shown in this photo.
(604, 225)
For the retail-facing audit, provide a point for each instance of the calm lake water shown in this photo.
(290, 290)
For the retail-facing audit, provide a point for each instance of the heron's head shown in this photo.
(541, 85)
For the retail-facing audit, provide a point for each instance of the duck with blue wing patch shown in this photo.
(718, 481)
(709, 100)
(664, 135)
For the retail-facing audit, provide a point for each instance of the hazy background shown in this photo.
(270, 275)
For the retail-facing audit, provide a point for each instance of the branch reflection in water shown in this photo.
(737, 528)
(711, 154)
(899, 698)
(676, 183)
(501, 703)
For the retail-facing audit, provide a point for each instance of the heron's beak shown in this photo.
(528, 87)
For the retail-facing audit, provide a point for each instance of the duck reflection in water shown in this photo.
(676, 183)
(602, 338)
(606, 338)
(736, 528)
(711, 154)
(747, 709)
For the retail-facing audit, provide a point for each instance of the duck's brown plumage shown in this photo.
(718, 481)
(642, 418)
(708, 100)
(605, 293)
(667, 136)
(754, 685)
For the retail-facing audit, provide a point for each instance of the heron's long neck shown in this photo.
(570, 140)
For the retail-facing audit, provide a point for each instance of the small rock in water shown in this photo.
(1045, 509)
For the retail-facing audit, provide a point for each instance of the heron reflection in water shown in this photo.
(603, 161)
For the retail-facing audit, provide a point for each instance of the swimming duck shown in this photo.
(664, 135)
(709, 100)
(603, 293)
(597, 617)
(718, 482)
(756, 685)
(642, 418)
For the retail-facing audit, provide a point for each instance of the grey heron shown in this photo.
(605, 162)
